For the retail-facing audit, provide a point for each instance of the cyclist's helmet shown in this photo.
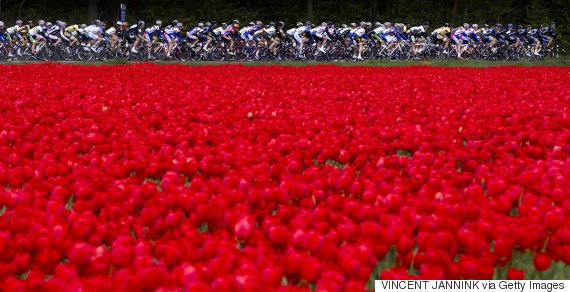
(323, 24)
(48, 24)
(475, 25)
(83, 25)
(553, 24)
(447, 24)
(180, 24)
(224, 24)
(1, 23)
(208, 24)
(140, 23)
(281, 23)
(235, 21)
(18, 22)
(308, 23)
(466, 25)
(41, 23)
(200, 24)
(271, 23)
(175, 22)
(485, 25)
(510, 25)
(344, 25)
(158, 22)
(258, 22)
(97, 22)
(299, 24)
(62, 24)
(387, 23)
(377, 24)
(251, 23)
(353, 24)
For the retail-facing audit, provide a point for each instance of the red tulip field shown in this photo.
(260, 178)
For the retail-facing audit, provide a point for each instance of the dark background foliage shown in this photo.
(190, 11)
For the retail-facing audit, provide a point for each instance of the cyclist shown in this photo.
(12, 32)
(134, 35)
(2, 37)
(23, 32)
(229, 35)
(360, 38)
(376, 33)
(72, 33)
(439, 36)
(459, 38)
(113, 33)
(153, 30)
(548, 34)
(319, 36)
(417, 36)
(389, 36)
(195, 34)
(95, 34)
(298, 35)
(533, 37)
(208, 33)
(172, 36)
(36, 35)
(54, 33)
(267, 34)
(512, 36)
(219, 31)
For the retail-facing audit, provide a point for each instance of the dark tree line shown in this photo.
(190, 11)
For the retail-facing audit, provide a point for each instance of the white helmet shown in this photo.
(158, 22)
(41, 23)
(1, 23)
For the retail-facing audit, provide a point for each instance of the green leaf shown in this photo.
(335, 163)
(69, 204)
(403, 153)
(204, 228)
(133, 234)
(2, 210)
(24, 275)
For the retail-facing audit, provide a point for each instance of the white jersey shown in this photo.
(244, 30)
(360, 31)
(111, 31)
(218, 31)
(169, 30)
(93, 29)
(319, 31)
(152, 29)
(379, 29)
(301, 30)
(270, 31)
(291, 31)
(36, 30)
(416, 30)
(13, 29)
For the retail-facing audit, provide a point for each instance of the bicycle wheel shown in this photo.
(84, 54)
